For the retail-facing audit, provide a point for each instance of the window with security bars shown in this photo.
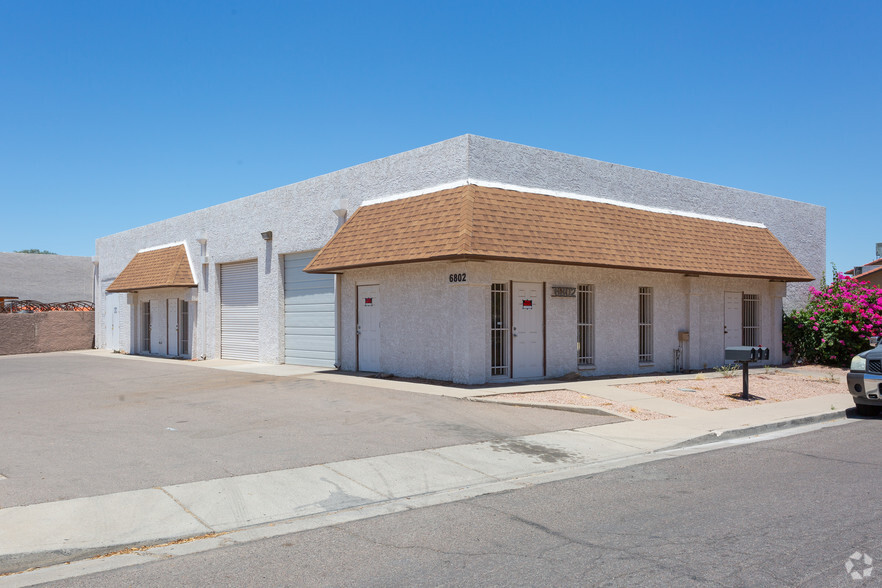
(499, 321)
(749, 319)
(145, 327)
(184, 328)
(585, 344)
(645, 325)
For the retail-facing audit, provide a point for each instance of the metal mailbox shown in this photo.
(746, 353)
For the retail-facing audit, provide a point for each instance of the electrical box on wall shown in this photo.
(683, 336)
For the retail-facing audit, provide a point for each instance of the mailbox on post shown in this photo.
(747, 353)
(744, 354)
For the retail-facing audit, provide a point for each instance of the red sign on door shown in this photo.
(527, 304)
(368, 301)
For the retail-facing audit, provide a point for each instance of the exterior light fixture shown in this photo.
(267, 235)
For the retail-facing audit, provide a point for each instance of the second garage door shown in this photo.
(239, 314)
(310, 318)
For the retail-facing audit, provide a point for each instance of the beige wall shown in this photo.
(41, 332)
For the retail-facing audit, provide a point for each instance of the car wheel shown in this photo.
(867, 410)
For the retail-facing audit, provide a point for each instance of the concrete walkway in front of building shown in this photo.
(190, 517)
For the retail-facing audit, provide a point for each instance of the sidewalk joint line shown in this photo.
(185, 509)
(387, 496)
(462, 465)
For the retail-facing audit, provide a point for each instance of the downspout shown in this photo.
(202, 239)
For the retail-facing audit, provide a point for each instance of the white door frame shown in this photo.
(528, 329)
(732, 319)
(367, 328)
(111, 322)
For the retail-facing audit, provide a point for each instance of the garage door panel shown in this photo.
(239, 311)
(313, 319)
(310, 314)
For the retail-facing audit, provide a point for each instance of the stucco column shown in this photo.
(778, 291)
(469, 316)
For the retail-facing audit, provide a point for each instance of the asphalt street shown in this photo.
(788, 512)
(76, 425)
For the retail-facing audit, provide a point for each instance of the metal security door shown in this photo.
(171, 305)
(239, 311)
(310, 314)
(732, 319)
(368, 328)
(527, 331)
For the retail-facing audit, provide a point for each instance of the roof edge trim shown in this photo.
(558, 194)
(478, 257)
(193, 272)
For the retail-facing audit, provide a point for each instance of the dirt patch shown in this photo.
(574, 398)
(765, 386)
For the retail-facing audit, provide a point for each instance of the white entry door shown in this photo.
(732, 320)
(157, 328)
(368, 328)
(527, 330)
(111, 322)
(172, 327)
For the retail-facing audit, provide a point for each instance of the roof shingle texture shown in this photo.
(159, 268)
(475, 222)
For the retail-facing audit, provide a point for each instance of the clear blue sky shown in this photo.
(118, 114)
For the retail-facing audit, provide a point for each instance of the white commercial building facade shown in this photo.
(464, 319)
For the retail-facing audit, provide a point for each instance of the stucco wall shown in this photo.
(435, 329)
(46, 278)
(41, 332)
(301, 218)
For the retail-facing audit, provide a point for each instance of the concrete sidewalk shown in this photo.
(50, 533)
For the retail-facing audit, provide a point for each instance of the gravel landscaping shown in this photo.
(706, 391)
(716, 393)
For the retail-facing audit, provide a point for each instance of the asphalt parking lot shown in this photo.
(75, 425)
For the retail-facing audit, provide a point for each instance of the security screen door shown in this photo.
(367, 328)
(527, 330)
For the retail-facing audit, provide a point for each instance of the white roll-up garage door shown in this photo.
(239, 311)
(310, 318)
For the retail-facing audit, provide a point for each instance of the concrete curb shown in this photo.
(727, 434)
(549, 406)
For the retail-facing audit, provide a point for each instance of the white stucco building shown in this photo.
(468, 260)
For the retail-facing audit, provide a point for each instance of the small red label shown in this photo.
(528, 304)
(368, 301)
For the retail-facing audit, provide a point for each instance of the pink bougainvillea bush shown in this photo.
(836, 323)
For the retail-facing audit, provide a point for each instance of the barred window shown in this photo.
(749, 319)
(499, 321)
(645, 325)
(585, 344)
(184, 329)
(145, 327)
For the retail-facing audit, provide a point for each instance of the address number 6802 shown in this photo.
(454, 278)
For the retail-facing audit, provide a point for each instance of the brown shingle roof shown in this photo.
(491, 223)
(158, 268)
